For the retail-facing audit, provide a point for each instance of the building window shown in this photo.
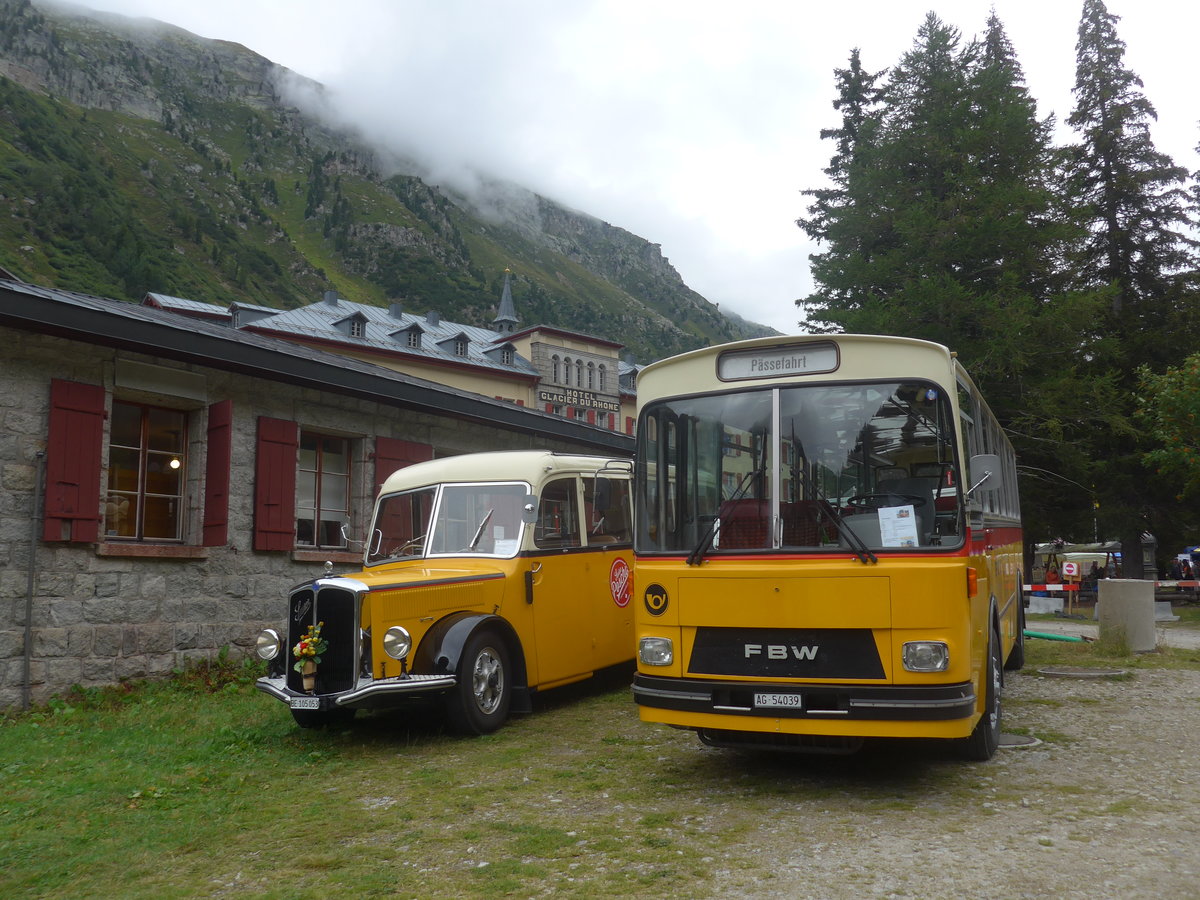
(566, 379)
(460, 347)
(554, 368)
(322, 490)
(357, 328)
(591, 376)
(603, 378)
(506, 356)
(147, 472)
(579, 373)
(414, 338)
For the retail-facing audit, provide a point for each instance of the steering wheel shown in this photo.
(883, 500)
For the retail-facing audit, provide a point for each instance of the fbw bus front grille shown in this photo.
(337, 608)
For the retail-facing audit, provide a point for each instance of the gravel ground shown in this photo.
(1105, 804)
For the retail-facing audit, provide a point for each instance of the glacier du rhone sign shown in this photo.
(573, 397)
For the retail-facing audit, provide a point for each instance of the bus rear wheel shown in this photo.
(981, 745)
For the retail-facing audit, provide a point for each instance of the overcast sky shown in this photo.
(693, 124)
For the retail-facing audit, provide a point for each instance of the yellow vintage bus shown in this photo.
(827, 546)
(486, 577)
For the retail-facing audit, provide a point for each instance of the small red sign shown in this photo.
(620, 582)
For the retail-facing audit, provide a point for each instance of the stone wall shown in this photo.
(99, 615)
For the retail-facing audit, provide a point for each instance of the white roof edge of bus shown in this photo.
(499, 465)
(792, 339)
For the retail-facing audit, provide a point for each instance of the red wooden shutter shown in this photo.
(392, 454)
(216, 475)
(74, 444)
(275, 484)
(591, 417)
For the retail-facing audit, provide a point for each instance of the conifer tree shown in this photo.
(1134, 197)
(947, 225)
(941, 222)
(1137, 248)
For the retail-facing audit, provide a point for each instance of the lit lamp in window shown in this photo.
(175, 463)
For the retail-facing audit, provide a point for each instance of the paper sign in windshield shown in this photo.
(898, 526)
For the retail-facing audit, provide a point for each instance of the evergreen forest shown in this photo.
(1065, 274)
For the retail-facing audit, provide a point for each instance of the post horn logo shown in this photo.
(655, 599)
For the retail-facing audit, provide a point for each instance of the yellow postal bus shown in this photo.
(486, 577)
(827, 546)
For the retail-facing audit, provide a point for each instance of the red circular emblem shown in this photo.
(620, 582)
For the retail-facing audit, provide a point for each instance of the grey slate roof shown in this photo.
(386, 330)
(200, 341)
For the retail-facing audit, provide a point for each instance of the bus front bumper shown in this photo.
(827, 702)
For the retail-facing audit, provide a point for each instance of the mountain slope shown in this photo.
(137, 157)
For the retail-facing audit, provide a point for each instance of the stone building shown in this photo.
(164, 478)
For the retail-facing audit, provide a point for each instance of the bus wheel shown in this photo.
(322, 718)
(1016, 657)
(984, 740)
(479, 702)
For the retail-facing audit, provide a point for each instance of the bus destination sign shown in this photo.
(770, 362)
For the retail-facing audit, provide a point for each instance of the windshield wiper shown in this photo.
(697, 555)
(487, 517)
(857, 544)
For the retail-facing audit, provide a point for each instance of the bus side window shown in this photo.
(558, 519)
(607, 508)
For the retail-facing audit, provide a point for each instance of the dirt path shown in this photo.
(1105, 804)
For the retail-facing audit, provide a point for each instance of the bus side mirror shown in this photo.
(529, 505)
(986, 474)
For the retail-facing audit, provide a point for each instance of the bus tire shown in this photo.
(981, 745)
(480, 701)
(322, 718)
(1016, 656)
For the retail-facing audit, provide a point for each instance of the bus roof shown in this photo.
(532, 466)
(869, 356)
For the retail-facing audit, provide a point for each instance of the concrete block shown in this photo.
(1126, 612)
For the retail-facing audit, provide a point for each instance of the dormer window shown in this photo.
(460, 347)
(354, 326)
(506, 356)
(413, 339)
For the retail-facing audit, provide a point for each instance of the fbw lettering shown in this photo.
(781, 651)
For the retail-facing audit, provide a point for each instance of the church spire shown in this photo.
(506, 319)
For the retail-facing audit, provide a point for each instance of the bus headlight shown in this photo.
(926, 656)
(656, 651)
(397, 642)
(267, 645)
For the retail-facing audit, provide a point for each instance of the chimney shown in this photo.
(396, 309)
(433, 317)
(331, 298)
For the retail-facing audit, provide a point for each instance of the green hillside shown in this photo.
(136, 160)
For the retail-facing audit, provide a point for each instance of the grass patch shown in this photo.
(203, 786)
(1103, 654)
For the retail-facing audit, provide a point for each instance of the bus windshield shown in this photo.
(448, 520)
(864, 466)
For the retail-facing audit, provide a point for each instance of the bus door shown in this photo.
(608, 566)
(561, 610)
